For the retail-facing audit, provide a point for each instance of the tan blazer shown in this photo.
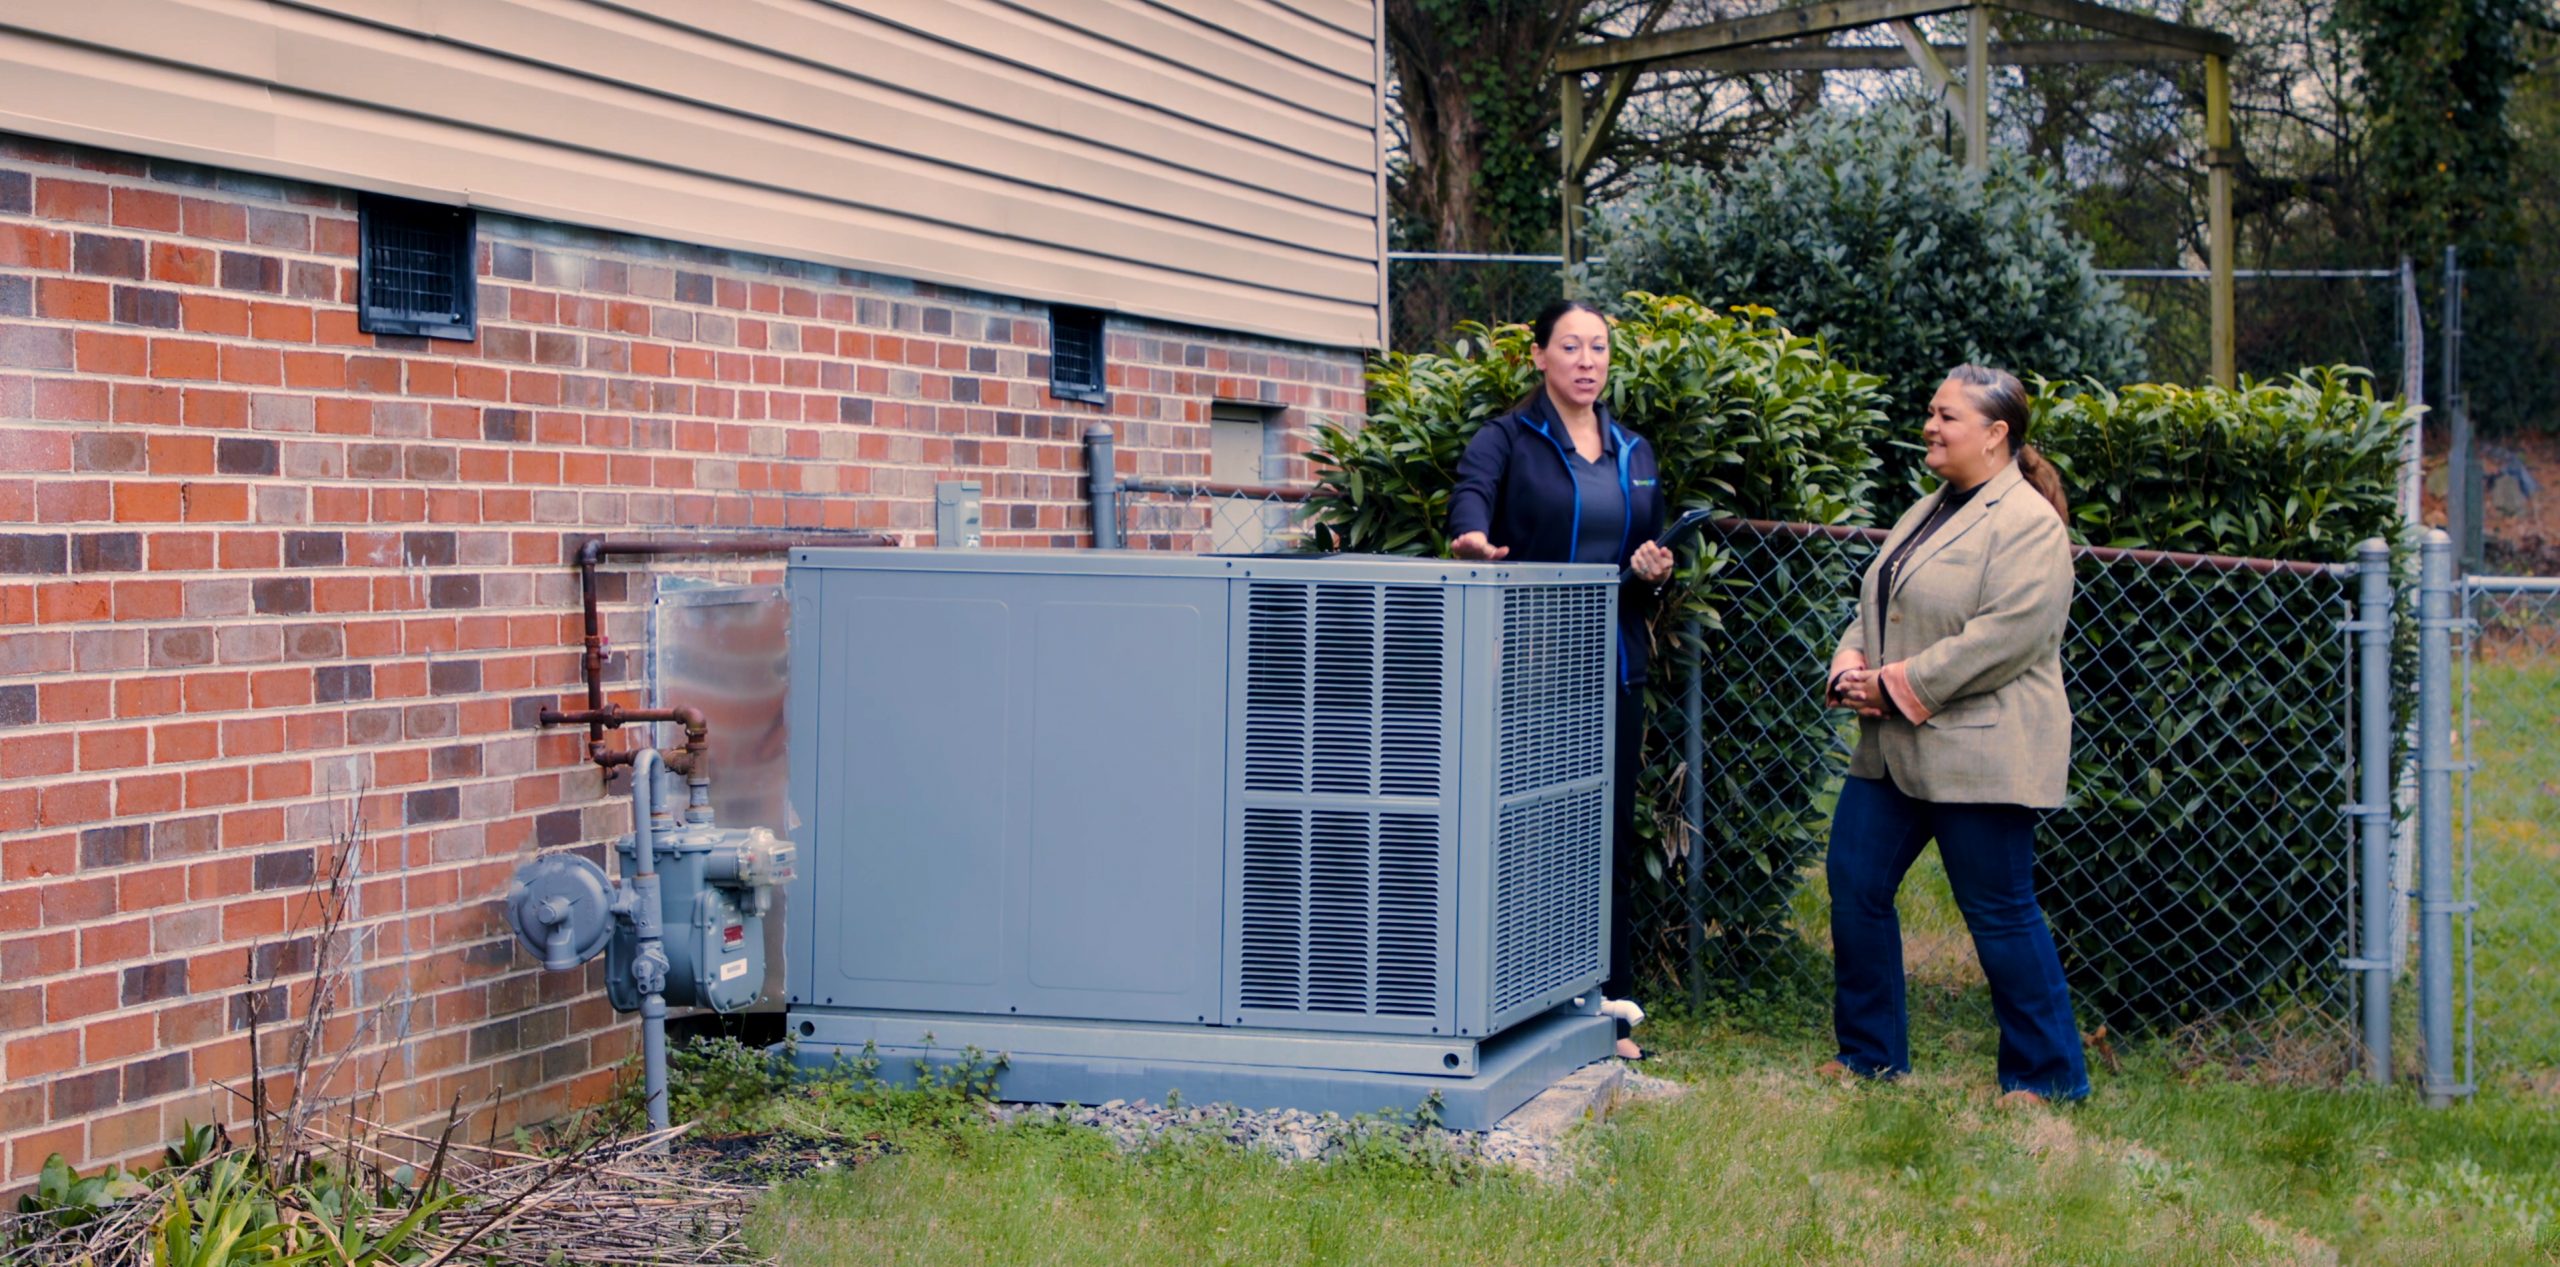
(1977, 620)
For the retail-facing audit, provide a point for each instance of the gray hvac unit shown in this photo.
(1326, 832)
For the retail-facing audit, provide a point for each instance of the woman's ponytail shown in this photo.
(2047, 481)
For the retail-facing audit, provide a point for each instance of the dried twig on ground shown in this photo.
(622, 1202)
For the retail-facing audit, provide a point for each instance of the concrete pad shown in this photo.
(1585, 1095)
(1534, 1137)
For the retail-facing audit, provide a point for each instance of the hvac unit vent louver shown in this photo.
(1346, 695)
(1128, 817)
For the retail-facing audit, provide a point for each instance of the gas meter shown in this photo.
(715, 887)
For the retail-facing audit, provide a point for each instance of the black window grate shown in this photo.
(417, 269)
(1075, 355)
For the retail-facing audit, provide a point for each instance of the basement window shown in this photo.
(1075, 355)
(418, 268)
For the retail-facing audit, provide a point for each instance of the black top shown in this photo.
(1948, 504)
(1604, 504)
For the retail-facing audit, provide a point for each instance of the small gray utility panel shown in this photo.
(1362, 795)
(955, 513)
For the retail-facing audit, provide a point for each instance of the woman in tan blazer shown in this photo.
(1954, 666)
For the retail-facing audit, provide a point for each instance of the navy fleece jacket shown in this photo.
(1514, 487)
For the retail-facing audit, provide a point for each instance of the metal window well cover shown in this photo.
(1323, 832)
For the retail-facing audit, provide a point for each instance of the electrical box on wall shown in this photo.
(955, 513)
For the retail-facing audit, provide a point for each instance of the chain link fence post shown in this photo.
(2436, 620)
(1102, 487)
(2373, 802)
(1693, 803)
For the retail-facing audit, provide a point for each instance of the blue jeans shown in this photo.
(1989, 853)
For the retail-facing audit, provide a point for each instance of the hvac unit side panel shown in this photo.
(1550, 701)
(1116, 887)
(1341, 836)
(1479, 660)
(802, 710)
(909, 840)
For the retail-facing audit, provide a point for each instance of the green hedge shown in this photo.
(2301, 467)
(2201, 870)
(1744, 417)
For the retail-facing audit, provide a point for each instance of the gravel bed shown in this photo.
(1293, 1135)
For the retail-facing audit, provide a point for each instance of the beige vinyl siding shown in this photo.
(1204, 161)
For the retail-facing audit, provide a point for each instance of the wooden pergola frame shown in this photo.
(1791, 39)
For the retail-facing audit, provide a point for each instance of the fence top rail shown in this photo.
(2173, 274)
(2100, 554)
(1208, 488)
(2512, 584)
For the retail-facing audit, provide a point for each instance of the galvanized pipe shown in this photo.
(2435, 815)
(2373, 765)
(1102, 486)
(1693, 805)
(2462, 490)
(649, 966)
(2099, 554)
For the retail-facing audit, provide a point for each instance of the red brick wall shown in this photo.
(260, 571)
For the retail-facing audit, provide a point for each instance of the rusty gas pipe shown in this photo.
(693, 760)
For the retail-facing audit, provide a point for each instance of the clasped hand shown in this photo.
(1860, 689)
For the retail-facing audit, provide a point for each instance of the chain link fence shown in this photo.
(1200, 518)
(2509, 807)
(2201, 884)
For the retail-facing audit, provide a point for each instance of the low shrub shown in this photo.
(2301, 467)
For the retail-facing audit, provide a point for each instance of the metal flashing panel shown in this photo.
(726, 649)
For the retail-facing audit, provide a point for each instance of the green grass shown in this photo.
(2515, 814)
(1759, 1162)
(1762, 1163)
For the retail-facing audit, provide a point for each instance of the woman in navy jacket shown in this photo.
(1557, 480)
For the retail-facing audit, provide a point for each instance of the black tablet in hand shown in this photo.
(1681, 529)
